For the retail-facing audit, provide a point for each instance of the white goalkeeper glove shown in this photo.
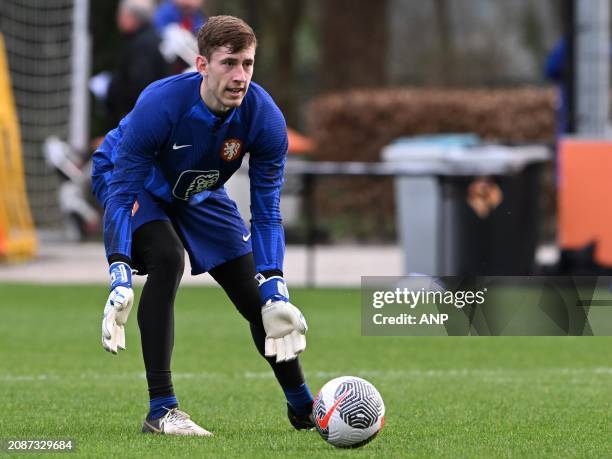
(284, 323)
(117, 308)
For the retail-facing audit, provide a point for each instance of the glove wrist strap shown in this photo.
(120, 275)
(272, 289)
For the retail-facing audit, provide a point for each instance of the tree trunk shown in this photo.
(354, 44)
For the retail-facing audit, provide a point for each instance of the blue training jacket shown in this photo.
(172, 145)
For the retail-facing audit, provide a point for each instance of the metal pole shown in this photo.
(311, 229)
(569, 64)
(593, 67)
(81, 56)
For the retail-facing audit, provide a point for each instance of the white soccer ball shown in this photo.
(349, 412)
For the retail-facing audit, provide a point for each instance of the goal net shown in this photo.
(39, 42)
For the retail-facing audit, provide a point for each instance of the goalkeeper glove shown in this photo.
(284, 324)
(117, 308)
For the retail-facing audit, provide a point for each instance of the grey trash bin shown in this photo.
(441, 233)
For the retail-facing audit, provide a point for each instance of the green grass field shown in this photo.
(445, 397)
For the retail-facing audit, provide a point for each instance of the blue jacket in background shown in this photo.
(169, 13)
(554, 70)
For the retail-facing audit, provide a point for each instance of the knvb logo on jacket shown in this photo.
(193, 182)
(231, 149)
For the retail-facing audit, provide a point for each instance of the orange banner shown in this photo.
(585, 196)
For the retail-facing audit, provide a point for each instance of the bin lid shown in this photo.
(458, 139)
(455, 160)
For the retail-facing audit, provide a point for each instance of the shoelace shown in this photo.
(178, 418)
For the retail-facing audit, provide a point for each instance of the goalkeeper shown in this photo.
(160, 177)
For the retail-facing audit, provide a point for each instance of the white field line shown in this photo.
(499, 375)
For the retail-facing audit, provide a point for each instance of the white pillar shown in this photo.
(593, 67)
(81, 63)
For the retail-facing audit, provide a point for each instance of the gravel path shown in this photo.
(334, 265)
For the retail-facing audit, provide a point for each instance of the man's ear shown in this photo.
(202, 65)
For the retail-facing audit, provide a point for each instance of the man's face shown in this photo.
(226, 77)
(127, 22)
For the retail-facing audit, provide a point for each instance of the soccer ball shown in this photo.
(349, 412)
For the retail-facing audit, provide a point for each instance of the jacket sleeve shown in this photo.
(145, 134)
(266, 168)
(102, 163)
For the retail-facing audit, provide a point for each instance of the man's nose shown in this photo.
(239, 74)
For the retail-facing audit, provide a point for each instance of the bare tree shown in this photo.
(354, 43)
(277, 25)
(446, 56)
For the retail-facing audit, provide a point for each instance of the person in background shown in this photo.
(187, 13)
(555, 70)
(140, 61)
